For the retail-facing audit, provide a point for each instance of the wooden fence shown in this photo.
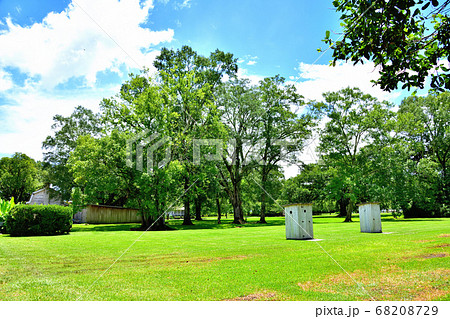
(99, 214)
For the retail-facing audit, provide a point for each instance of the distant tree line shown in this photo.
(368, 150)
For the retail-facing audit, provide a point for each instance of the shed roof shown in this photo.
(360, 204)
(298, 204)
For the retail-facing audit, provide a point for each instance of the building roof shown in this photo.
(360, 204)
(298, 204)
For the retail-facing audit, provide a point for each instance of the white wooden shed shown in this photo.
(370, 217)
(298, 220)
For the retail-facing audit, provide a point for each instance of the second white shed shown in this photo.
(370, 217)
(298, 220)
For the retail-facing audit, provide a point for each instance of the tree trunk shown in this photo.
(445, 185)
(238, 214)
(262, 219)
(219, 213)
(161, 223)
(348, 217)
(264, 175)
(342, 207)
(236, 201)
(144, 221)
(198, 208)
(187, 212)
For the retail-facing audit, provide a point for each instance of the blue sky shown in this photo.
(55, 55)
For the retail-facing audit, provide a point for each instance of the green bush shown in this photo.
(38, 220)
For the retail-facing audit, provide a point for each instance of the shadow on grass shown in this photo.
(226, 224)
(176, 224)
(102, 227)
(210, 223)
(431, 219)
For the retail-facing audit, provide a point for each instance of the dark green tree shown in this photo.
(308, 186)
(19, 177)
(188, 83)
(283, 129)
(240, 111)
(138, 113)
(99, 167)
(355, 120)
(424, 124)
(57, 148)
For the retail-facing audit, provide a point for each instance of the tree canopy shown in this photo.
(19, 177)
(408, 40)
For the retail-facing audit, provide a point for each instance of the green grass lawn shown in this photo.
(216, 262)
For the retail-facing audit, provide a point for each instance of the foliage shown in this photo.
(355, 120)
(19, 177)
(188, 82)
(424, 124)
(78, 200)
(251, 193)
(362, 157)
(283, 132)
(58, 147)
(99, 167)
(6, 206)
(307, 187)
(240, 113)
(407, 39)
(38, 220)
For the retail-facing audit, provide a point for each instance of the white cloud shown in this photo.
(183, 4)
(314, 80)
(6, 82)
(251, 60)
(317, 79)
(254, 79)
(86, 38)
(28, 122)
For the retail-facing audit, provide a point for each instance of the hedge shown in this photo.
(38, 220)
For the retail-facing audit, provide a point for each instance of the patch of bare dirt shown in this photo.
(390, 283)
(423, 241)
(209, 260)
(175, 259)
(440, 255)
(444, 235)
(266, 296)
(441, 246)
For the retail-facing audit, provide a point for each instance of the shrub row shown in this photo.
(38, 220)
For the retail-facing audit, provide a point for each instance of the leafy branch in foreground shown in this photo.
(408, 40)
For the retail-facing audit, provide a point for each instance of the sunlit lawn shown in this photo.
(217, 262)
